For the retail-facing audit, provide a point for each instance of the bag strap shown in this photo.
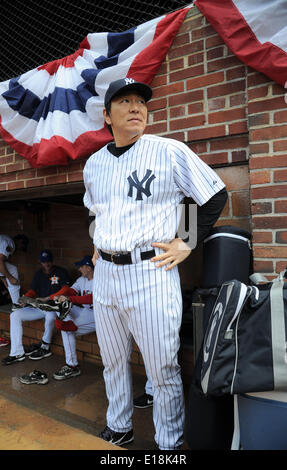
(278, 331)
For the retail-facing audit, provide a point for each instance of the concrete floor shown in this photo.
(61, 415)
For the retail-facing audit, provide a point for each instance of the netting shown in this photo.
(34, 32)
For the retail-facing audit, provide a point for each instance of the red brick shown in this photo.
(213, 41)
(160, 115)
(281, 206)
(225, 116)
(261, 208)
(178, 111)
(35, 182)
(183, 98)
(176, 64)
(236, 100)
(270, 222)
(240, 203)
(57, 179)
(224, 63)
(239, 127)
(157, 128)
(186, 49)
(278, 89)
(203, 32)
(238, 156)
(272, 191)
(195, 108)
(280, 116)
(281, 266)
(280, 175)
(215, 53)
(216, 103)
(261, 237)
(181, 39)
(274, 161)
(230, 143)
(76, 176)
(215, 158)
(198, 147)
(157, 104)
(281, 237)
(259, 92)
(258, 119)
(168, 90)
(256, 78)
(187, 123)
(159, 80)
(15, 185)
(279, 145)
(196, 58)
(259, 148)
(14, 167)
(205, 80)
(226, 89)
(270, 252)
(259, 177)
(192, 71)
(269, 133)
(263, 266)
(206, 133)
(266, 105)
(235, 72)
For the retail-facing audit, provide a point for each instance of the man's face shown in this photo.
(47, 266)
(128, 117)
(84, 270)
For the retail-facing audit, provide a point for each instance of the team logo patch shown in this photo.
(139, 185)
(54, 279)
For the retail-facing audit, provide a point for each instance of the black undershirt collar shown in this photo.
(118, 151)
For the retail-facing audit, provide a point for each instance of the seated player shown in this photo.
(46, 281)
(80, 320)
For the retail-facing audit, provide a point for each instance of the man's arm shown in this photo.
(177, 250)
(5, 272)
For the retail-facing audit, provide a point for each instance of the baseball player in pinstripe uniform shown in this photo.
(134, 187)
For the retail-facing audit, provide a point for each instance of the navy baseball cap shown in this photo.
(127, 84)
(85, 261)
(46, 256)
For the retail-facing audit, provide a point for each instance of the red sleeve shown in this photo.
(65, 290)
(81, 299)
(31, 293)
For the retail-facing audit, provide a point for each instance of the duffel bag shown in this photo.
(244, 348)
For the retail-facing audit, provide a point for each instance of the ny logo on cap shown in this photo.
(129, 80)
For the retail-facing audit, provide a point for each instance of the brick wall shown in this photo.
(233, 117)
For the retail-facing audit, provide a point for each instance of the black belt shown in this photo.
(125, 258)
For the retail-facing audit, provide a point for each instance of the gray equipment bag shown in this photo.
(244, 348)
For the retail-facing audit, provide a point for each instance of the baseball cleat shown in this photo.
(40, 353)
(11, 359)
(32, 348)
(35, 377)
(144, 401)
(66, 372)
(117, 438)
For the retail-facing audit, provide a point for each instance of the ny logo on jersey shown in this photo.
(138, 185)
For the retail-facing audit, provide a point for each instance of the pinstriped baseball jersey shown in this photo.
(135, 196)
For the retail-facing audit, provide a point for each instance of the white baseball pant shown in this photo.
(84, 320)
(28, 314)
(143, 302)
